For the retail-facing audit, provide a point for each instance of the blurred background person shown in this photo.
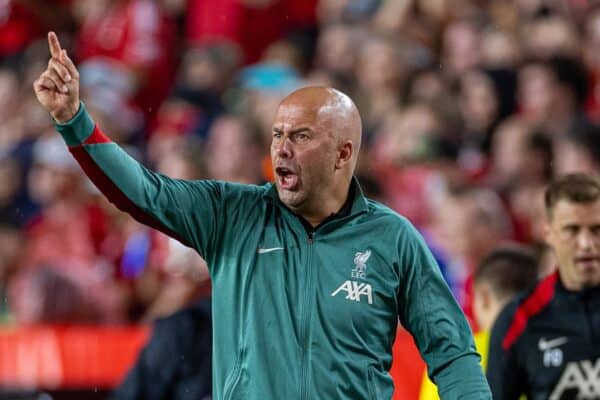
(503, 273)
(176, 362)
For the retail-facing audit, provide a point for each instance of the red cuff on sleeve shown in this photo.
(97, 137)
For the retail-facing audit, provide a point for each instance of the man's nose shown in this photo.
(585, 239)
(284, 148)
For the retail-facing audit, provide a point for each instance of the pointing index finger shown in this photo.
(68, 63)
(53, 43)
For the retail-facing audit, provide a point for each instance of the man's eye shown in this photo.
(276, 135)
(301, 136)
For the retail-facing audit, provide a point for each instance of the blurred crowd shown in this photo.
(469, 108)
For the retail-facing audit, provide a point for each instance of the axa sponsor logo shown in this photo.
(581, 378)
(356, 290)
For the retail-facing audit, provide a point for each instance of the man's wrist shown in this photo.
(76, 130)
(67, 115)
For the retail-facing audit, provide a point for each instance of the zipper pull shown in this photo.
(311, 235)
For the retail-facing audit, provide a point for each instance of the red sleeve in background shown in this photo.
(151, 42)
(252, 28)
(18, 27)
(139, 36)
(22, 22)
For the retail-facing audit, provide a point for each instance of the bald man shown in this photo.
(309, 277)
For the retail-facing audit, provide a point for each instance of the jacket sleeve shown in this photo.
(429, 311)
(185, 210)
(503, 371)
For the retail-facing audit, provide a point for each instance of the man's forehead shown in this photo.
(584, 213)
(293, 113)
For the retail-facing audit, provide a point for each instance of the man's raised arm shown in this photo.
(170, 205)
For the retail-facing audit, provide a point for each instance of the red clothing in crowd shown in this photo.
(21, 22)
(253, 28)
(137, 35)
(62, 277)
(18, 27)
(405, 190)
(592, 104)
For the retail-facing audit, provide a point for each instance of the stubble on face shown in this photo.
(574, 234)
(305, 165)
(316, 137)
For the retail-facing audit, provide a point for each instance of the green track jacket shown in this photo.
(297, 316)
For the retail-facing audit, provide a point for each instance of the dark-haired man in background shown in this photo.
(546, 344)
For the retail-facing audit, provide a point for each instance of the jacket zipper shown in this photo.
(589, 317)
(304, 336)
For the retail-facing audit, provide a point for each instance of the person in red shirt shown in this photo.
(21, 22)
(127, 46)
(252, 24)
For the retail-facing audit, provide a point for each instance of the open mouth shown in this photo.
(286, 178)
(586, 259)
(588, 264)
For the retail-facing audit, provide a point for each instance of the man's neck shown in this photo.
(336, 209)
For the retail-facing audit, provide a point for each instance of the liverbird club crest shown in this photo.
(355, 290)
(360, 264)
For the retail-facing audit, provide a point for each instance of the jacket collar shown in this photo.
(356, 204)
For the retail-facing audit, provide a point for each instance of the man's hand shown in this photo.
(57, 88)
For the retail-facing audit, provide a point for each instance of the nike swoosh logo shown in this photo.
(544, 344)
(270, 249)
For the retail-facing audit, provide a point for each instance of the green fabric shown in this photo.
(296, 318)
(78, 129)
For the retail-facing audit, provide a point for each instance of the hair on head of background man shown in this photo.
(508, 269)
(576, 188)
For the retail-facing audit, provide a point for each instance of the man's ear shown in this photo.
(344, 154)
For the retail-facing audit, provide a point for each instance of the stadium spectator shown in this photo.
(123, 46)
(10, 241)
(579, 149)
(234, 151)
(251, 24)
(22, 22)
(380, 72)
(468, 222)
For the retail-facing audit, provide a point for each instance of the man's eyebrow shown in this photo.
(570, 225)
(297, 130)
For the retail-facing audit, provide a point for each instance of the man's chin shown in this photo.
(291, 198)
